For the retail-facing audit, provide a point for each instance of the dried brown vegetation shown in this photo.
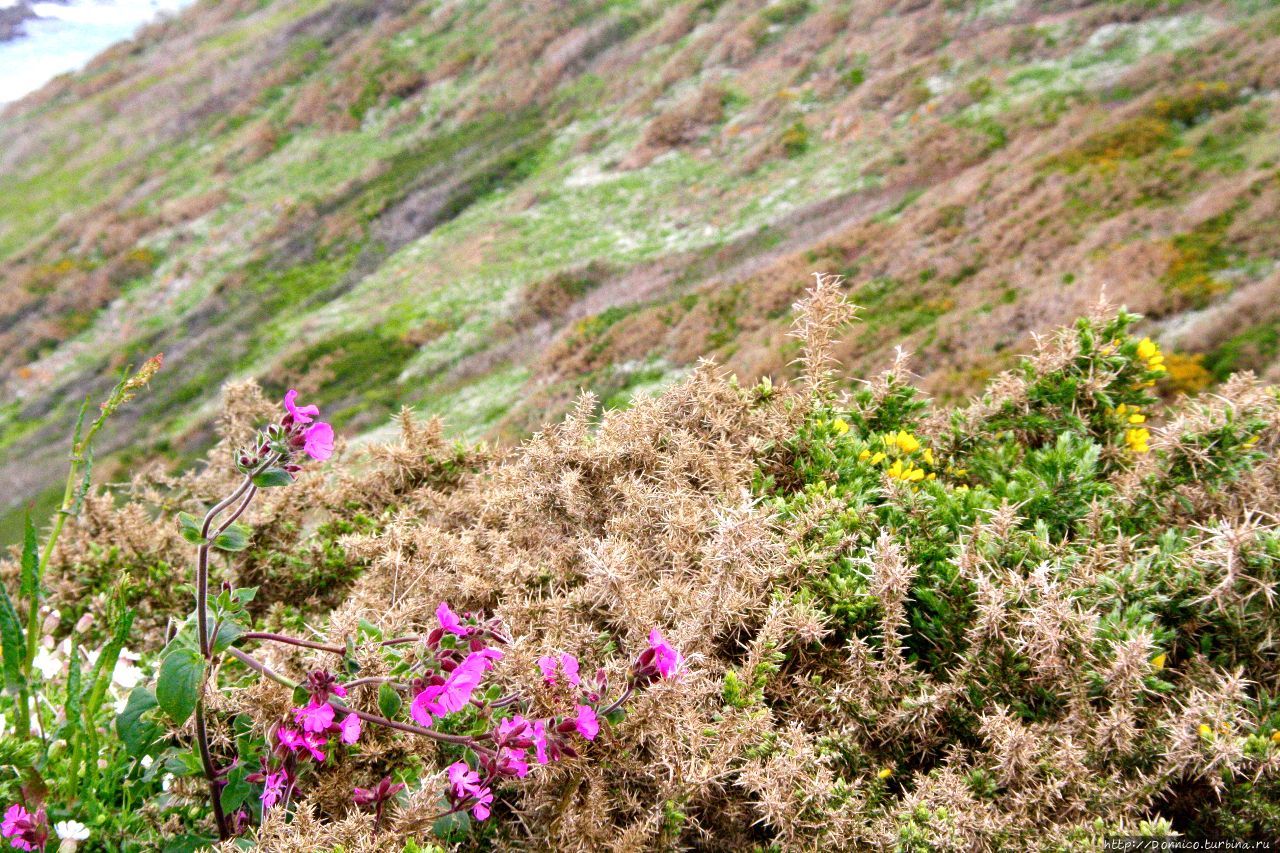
(1111, 660)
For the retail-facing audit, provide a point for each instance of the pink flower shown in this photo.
(25, 831)
(273, 790)
(466, 785)
(316, 717)
(512, 763)
(450, 622)
(540, 740)
(300, 415)
(588, 725)
(317, 441)
(321, 685)
(567, 664)
(437, 700)
(312, 742)
(379, 794)
(12, 817)
(665, 658)
(350, 729)
(290, 739)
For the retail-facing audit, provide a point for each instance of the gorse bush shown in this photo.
(1030, 622)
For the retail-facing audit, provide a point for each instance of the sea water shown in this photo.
(66, 36)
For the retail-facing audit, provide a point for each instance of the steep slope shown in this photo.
(481, 207)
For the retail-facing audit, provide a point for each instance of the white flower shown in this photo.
(71, 830)
(126, 674)
(146, 762)
(47, 662)
(121, 704)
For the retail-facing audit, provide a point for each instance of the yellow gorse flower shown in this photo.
(1136, 440)
(884, 773)
(906, 442)
(1158, 661)
(840, 426)
(1150, 353)
(1206, 730)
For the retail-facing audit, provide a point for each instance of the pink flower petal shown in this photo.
(300, 414)
(317, 441)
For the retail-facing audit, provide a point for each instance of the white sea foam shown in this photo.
(65, 37)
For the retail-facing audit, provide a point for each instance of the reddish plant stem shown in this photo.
(292, 641)
(626, 694)
(202, 628)
(324, 647)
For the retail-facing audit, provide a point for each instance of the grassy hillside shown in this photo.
(481, 207)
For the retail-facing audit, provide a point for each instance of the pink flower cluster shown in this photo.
(315, 722)
(442, 693)
(444, 678)
(25, 831)
(279, 444)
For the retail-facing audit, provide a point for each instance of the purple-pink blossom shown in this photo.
(312, 743)
(450, 622)
(437, 700)
(587, 724)
(273, 789)
(512, 762)
(25, 831)
(379, 794)
(321, 684)
(665, 658)
(540, 740)
(566, 664)
(317, 441)
(466, 785)
(315, 717)
(300, 414)
(350, 729)
(290, 739)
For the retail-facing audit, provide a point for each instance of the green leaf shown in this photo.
(178, 687)
(189, 843)
(74, 703)
(29, 584)
(237, 789)
(136, 733)
(234, 538)
(228, 633)
(122, 621)
(12, 644)
(272, 477)
(191, 528)
(389, 701)
(452, 827)
(184, 763)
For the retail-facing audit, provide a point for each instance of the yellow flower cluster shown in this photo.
(1149, 352)
(900, 445)
(1135, 437)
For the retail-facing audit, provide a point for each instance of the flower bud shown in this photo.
(51, 622)
(84, 623)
